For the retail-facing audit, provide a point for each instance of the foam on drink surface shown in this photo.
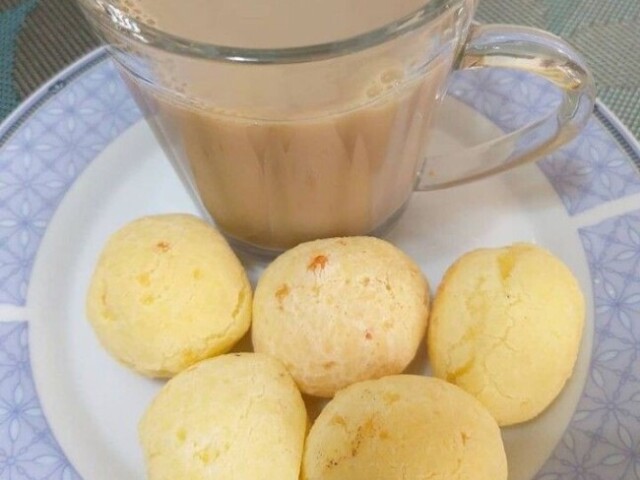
(267, 23)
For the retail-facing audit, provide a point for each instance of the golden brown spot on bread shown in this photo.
(331, 463)
(368, 335)
(365, 431)
(318, 262)
(464, 436)
(338, 420)
(163, 246)
(390, 398)
(328, 365)
(189, 357)
(197, 274)
(282, 292)
(243, 296)
(454, 376)
(144, 279)
(506, 262)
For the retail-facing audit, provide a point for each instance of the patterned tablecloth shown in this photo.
(40, 37)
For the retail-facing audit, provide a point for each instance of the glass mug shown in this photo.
(300, 120)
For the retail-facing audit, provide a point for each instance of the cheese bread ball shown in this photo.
(340, 310)
(167, 292)
(404, 427)
(506, 326)
(236, 416)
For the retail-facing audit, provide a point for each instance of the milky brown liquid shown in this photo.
(280, 154)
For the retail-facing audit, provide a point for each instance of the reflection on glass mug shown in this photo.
(291, 121)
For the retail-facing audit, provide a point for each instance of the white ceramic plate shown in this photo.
(76, 164)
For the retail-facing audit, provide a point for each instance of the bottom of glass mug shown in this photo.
(268, 253)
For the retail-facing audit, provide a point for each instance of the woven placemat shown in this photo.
(606, 32)
(40, 37)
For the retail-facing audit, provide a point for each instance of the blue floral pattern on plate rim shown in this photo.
(47, 143)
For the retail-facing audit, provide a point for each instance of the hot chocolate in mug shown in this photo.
(291, 121)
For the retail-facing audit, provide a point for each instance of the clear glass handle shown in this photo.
(533, 51)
